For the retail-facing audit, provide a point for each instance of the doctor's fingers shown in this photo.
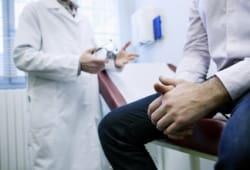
(154, 105)
(127, 55)
(97, 61)
(129, 58)
(160, 88)
(126, 45)
(91, 50)
(132, 56)
(93, 67)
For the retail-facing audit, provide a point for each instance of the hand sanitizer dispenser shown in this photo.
(146, 26)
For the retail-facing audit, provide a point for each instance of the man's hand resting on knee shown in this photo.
(182, 103)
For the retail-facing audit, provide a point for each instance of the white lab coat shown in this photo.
(64, 107)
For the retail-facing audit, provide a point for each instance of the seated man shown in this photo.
(218, 30)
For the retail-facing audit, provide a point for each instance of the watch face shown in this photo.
(101, 53)
(111, 55)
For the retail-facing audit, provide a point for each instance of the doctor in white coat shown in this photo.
(54, 45)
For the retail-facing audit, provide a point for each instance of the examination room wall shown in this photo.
(174, 25)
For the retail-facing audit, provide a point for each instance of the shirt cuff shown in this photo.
(235, 79)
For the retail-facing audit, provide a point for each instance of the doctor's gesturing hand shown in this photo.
(182, 103)
(123, 57)
(91, 64)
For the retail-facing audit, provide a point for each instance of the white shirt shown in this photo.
(219, 30)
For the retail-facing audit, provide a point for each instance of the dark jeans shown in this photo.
(125, 130)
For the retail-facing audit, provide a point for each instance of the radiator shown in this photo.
(13, 130)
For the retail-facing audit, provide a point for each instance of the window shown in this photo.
(10, 77)
(1, 39)
(102, 15)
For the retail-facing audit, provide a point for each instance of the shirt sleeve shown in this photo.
(196, 59)
(29, 57)
(110, 66)
(236, 78)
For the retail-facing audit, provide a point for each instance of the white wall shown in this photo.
(174, 21)
(126, 8)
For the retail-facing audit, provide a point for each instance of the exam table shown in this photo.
(136, 81)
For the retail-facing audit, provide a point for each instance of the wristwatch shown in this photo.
(110, 55)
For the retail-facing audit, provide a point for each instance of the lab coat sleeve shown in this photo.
(196, 59)
(29, 57)
(110, 66)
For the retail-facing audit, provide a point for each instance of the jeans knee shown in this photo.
(105, 126)
(102, 127)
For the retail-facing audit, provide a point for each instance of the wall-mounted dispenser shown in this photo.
(146, 26)
(157, 27)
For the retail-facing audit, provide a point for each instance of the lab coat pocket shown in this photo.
(42, 147)
(43, 104)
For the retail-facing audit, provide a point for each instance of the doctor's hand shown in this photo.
(91, 64)
(123, 57)
(180, 107)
